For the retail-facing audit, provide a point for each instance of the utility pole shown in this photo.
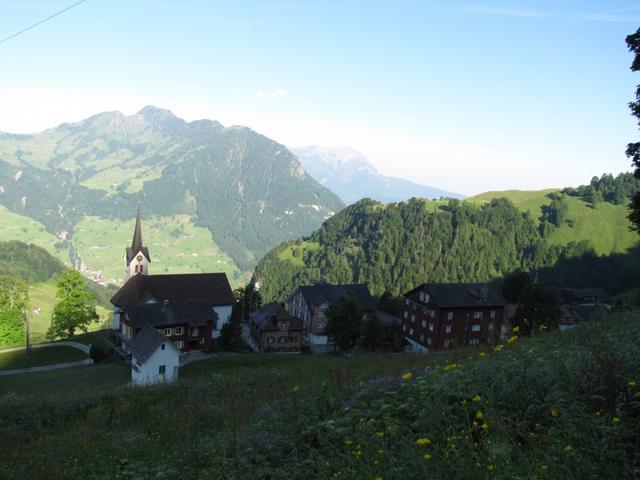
(26, 320)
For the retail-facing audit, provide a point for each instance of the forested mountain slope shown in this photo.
(397, 246)
(244, 192)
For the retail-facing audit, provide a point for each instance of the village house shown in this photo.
(443, 315)
(310, 303)
(188, 310)
(581, 304)
(154, 357)
(272, 329)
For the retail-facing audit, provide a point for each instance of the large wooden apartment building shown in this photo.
(443, 315)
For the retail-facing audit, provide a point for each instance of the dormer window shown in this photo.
(283, 325)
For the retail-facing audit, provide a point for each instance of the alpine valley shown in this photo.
(213, 198)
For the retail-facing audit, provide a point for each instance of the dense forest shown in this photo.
(397, 246)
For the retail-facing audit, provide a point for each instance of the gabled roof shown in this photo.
(459, 294)
(269, 316)
(136, 244)
(329, 294)
(147, 341)
(195, 313)
(210, 287)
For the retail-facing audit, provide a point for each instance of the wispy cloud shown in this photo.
(271, 95)
(615, 16)
(501, 11)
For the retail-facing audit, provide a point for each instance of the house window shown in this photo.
(475, 328)
(413, 317)
(474, 341)
(201, 340)
(429, 341)
(180, 344)
(136, 269)
(424, 324)
(447, 343)
(448, 329)
(178, 330)
(283, 325)
(422, 296)
(270, 339)
(493, 314)
(406, 301)
(422, 337)
(491, 327)
(195, 331)
(406, 314)
(141, 268)
(450, 316)
(477, 315)
(404, 328)
(162, 369)
(167, 332)
(411, 331)
(282, 340)
(431, 326)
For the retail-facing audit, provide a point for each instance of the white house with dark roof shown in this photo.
(154, 358)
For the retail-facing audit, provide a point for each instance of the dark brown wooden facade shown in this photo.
(441, 316)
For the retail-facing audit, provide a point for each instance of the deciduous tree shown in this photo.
(633, 149)
(75, 309)
(345, 322)
(14, 299)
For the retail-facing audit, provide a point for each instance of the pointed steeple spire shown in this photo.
(136, 244)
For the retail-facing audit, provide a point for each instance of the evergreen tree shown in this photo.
(372, 333)
(513, 285)
(633, 149)
(345, 322)
(75, 309)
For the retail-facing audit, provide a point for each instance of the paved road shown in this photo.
(66, 343)
(42, 368)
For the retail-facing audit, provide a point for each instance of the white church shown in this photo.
(156, 318)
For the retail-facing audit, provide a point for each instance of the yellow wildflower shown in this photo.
(474, 423)
(544, 468)
(423, 441)
(407, 376)
(490, 467)
(555, 413)
(512, 340)
(485, 426)
(631, 383)
(615, 420)
(427, 456)
(479, 415)
(380, 451)
(477, 398)
(482, 354)
(568, 449)
(348, 442)
(498, 348)
(515, 329)
(380, 434)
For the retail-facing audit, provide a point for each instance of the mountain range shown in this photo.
(213, 197)
(352, 177)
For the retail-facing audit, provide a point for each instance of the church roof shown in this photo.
(136, 244)
(195, 313)
(211, 287)
(146, 342)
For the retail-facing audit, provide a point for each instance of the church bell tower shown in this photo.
(136, 257)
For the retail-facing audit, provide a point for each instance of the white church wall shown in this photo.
(148, 373)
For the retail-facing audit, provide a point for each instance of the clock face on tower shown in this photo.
(139, 258)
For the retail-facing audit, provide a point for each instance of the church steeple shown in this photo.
(136, 257)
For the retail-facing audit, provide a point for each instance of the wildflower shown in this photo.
(474, 423)
(498, 348)
(555, 413)
(615, 420)
(407, 376)
(348, 442)
(378, 478)
(479, 415)
(427, 456)
(542, 327)
(380, 451)
(631, 383)
(482, 354)
(485, 426)
(477, 398)
(515, 329)
(380, 434)
(464, 402)
(513, 339)
(490, 467)
(568, 449)
(544, 468)
(423, 441)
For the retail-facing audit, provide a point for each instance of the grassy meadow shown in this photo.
(40, 356)
(558, 405)
(175, 243)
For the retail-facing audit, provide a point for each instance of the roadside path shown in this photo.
(65, 343)
(42, 368)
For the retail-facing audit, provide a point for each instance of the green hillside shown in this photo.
(570, 242)
(556, 406)
(248, 191)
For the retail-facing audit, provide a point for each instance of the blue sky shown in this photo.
(466, 96)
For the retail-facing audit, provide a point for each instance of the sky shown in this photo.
(461, 95)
